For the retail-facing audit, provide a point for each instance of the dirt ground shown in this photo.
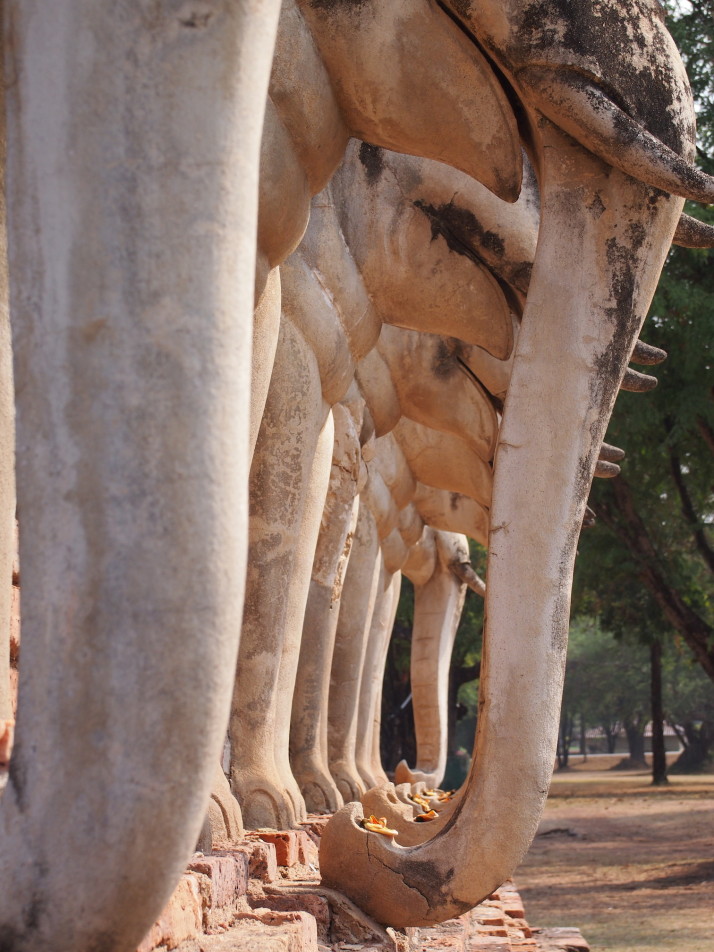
(630, 865)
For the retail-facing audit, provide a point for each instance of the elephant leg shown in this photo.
(297, 599)
(353, 626)
(437, 612)
(377, 769)
(370, 687)
(308, 730)
(7, 464)
(279, 488)
(133, 144)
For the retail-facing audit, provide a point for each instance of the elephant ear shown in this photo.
(434, 390)
(408, 79)
(416, 276)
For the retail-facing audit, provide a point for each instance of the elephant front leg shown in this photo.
(356, 608)
(297, 600)
(308, 730)
(133, 144)
(369, 761)
(266, 329)
(7, 470)
(285, 483)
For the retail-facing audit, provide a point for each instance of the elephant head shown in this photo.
(607, 117)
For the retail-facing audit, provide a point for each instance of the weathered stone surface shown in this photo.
(307, 849)
(266, 931)
(223, 880)
(262, 860)
(317, 906)
(315, 824)
(285, 843)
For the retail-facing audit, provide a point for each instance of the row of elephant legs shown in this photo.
(319, 611)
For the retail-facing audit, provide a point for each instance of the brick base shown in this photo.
(265, 896)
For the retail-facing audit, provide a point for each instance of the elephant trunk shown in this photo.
(604, 237)
(437, 611)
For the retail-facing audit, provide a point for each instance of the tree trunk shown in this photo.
(583, 739)
(611, 735)
(697, 750)
(659, 757)
(636, 745)
(565, 738)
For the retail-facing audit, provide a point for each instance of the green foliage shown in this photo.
(606, 679)
(692, 25)
(688, 693)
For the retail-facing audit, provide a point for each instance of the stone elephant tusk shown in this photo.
(635, 382)
(647, 355)
(465, 572)
(579, 107)
(692, 233)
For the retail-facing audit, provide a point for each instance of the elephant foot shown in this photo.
(368, 776)
(383, 801)
(349, 783)
(404, 793)
(225, 817)
(296, 798)
(318, 788)
(264, 804)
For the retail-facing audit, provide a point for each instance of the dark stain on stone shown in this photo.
(445, 363)
(433, 883)
(336, 6)
(460, 7)
(596, 206)
(33, 913)
(465, 235)
(461, 230)
(372, 158)
(196, 20)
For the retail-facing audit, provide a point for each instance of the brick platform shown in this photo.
(265, 896)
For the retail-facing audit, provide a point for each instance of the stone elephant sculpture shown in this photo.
(389, 538)
(326, 341)
(329, 82)
(609, 156)
(131, 249)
